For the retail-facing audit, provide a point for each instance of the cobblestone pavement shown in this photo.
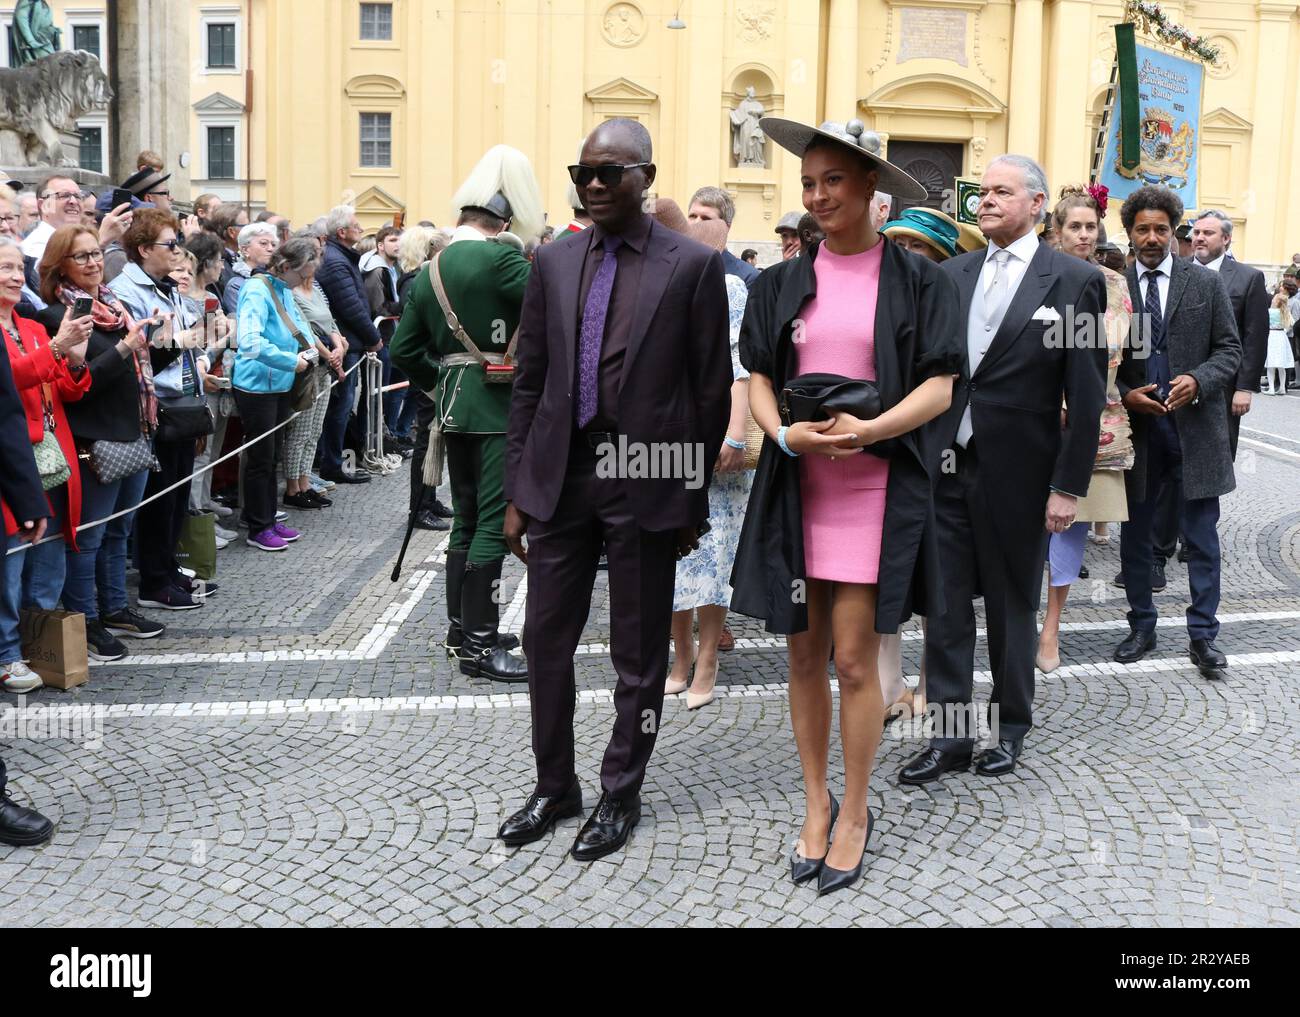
(300, 752)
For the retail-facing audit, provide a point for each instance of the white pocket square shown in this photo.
(1045, 313)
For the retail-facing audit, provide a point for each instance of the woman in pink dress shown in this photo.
(831, 551)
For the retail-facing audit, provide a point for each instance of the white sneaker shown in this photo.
(20, 678)
(223, 543)
(221, 511)
(224, 534)
(188, 573)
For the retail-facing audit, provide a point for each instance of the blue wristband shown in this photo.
(739, 446)
(780, 440)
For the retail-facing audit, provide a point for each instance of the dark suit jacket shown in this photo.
(1250, 301)
(675, 382)
(20, 483)
(1016, 397)
(1202, 341)
(734, 266)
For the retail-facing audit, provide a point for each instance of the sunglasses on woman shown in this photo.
(609, 176)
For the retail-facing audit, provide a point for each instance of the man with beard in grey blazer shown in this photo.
(1175, 381)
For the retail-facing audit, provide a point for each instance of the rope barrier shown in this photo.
(212, 465)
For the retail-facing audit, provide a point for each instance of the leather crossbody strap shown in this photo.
(303, 344)
(457, 329)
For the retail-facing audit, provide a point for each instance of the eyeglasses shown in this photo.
(609, 176)
(86, 257)
(171, 245)
(165, 194)
(8, 218)
(64, 195)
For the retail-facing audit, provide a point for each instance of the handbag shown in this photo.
(819, 396)
(113, 460)
(51, 463)
(196, 547)
(302, 393)
(753, 442)
(184, 418)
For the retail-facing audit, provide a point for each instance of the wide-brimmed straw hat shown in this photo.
(795, 137)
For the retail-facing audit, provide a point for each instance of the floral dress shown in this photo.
(703, 576)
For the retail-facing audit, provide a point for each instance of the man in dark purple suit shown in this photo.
(620, 404)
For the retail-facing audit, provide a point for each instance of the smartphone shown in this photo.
(121, 196)
(222, 382)
(312, 354)
(82, 306)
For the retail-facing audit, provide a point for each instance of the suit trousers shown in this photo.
(562, 557)
(477, 466)
(1167, 524)
(1200, 520)
(973, 563)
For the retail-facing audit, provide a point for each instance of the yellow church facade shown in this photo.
(298, 105)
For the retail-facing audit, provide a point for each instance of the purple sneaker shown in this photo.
(286, 533)
(267, 540)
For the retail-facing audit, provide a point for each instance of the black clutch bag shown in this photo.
(184, 418)
(820, 396)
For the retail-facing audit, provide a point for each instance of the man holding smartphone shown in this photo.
(20, 488)
(1175, 384)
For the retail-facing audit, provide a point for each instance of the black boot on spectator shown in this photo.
(440, 510)
(455, 591)
(426, 520)
(481, 654)
(19, 826)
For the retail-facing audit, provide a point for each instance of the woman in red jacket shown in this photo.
(47, 373)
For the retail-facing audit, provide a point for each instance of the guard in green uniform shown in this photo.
(466, 372)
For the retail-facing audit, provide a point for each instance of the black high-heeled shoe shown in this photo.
(829, 880)
(803, 869)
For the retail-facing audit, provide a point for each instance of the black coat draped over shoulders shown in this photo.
(917, 336)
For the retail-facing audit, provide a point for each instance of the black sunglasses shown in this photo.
(609, 176)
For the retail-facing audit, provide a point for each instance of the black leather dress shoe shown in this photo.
(1135, 647)
(932, 764)
(829, 880)
(803, 869)
(607, 828)
(539, 814)
(1208, 657)
(1000, 759)
(440, 510)
(22, 827)
(346, 477)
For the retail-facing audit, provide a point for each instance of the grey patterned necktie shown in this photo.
(593, 330)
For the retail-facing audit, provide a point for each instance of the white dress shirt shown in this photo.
(1165, 267)
(1216, 264)
(1022, 252)
(33, 245)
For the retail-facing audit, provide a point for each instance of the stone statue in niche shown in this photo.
(41, 99)
(747, 138)
(34, 33)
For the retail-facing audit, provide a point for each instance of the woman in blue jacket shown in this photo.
(268, 357)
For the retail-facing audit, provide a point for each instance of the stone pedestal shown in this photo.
(13, 162)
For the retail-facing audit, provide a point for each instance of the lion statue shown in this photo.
(48, 94)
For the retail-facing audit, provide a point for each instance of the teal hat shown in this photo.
(929, 226)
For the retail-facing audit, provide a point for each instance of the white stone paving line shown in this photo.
(1272, 448)
(376, 641)
(517, 700)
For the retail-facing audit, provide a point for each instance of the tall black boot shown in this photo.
(455, 596)
(481, 655)
(455, 585)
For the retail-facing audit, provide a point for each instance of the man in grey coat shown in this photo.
(1175, 380)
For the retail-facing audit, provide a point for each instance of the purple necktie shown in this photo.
(593, 331)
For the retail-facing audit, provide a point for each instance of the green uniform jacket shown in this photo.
(485, 285)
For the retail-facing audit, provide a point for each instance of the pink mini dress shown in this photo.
(843, 500)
